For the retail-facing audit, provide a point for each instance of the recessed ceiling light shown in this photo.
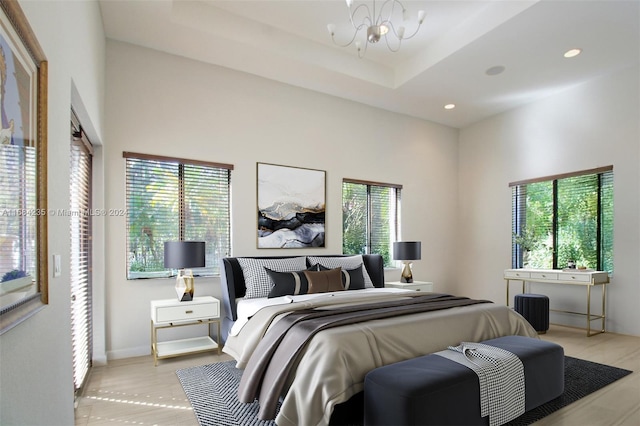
(572, 53)
(498, 69)
(449, 106)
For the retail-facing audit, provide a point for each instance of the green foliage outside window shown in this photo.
(369, 219)
(564, 219)
(171, 201)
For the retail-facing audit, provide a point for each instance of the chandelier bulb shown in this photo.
(400, 32)
(358, 45)
(420, 16)
(331, 28)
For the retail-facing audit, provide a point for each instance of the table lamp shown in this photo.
(406, 251)
(180, 255)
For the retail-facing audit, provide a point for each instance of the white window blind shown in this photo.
(80, 256)
(18, 213)
(370, 217)
(562, 218)
(170, 199)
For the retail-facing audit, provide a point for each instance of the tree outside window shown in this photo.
(170, 200)
(563, 218)
(370, 218)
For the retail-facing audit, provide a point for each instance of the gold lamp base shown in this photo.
(407, 276)
(184, 285)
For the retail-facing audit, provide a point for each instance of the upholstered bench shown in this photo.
(433, 390)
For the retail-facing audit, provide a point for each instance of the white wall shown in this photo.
(167, 105)
(594, 124)
(36, 386)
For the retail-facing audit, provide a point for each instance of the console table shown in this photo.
(588, 279)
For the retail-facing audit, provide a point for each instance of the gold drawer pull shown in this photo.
(188, 312)
(544, 276)
(573, 278)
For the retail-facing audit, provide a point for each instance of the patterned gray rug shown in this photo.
(212, 391)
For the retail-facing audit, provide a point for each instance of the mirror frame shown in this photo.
(13, 17)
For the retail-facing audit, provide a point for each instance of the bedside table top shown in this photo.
(398, 283)
(175, 302)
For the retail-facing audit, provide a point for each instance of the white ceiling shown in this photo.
(445, 62)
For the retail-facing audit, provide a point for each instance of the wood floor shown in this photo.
(134, 392)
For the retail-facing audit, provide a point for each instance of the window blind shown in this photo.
(80, 258)
(18, 213)
(172, 199)
(565, 217)
(370, 217)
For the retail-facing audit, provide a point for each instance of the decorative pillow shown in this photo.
(289, 283)
(352, 279)
(255, 275)
(345, 262)
(324, 281)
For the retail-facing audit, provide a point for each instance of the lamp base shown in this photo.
(184, 285)
(407, 276)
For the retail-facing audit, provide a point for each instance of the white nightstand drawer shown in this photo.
(164, 311)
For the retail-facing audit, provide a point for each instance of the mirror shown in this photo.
(23, 169)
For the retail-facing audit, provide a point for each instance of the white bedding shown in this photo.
(246, 308)
(336, 360)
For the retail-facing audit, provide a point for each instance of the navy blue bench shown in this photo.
(433, 390)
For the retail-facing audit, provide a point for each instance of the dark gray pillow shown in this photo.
(352, 279)
(289, 283)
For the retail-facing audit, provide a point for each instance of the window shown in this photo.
(370, 218)
(562, 218)
(80, 255)
(171, 199)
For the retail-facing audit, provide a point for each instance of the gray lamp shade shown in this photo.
(184, 254)
(407, 250)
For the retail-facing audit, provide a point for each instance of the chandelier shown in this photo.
(378, 23)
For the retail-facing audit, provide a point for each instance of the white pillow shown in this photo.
(256, 279)
(345, 262)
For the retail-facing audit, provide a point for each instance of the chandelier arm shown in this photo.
(386, 39)
(393, 6)
(365, 51)
(355, 34)
(414, 33)
(367, 16)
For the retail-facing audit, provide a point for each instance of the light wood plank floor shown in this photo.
(134, 392)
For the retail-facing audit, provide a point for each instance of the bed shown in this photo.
(331, 366)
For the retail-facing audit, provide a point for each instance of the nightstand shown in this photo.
(416, 285)
(173, 313)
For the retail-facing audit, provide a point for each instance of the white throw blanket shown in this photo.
(501, 377)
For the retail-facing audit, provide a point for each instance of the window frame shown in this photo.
(181, 164)
(394, 231)
(519, 208)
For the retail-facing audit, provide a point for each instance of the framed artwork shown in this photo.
(291, 206)
(23, 169)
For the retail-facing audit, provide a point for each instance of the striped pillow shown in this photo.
(289, 283)
(344, 262)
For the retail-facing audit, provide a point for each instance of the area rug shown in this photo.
(212, 391)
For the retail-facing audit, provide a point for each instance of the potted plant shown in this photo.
(527, 242)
